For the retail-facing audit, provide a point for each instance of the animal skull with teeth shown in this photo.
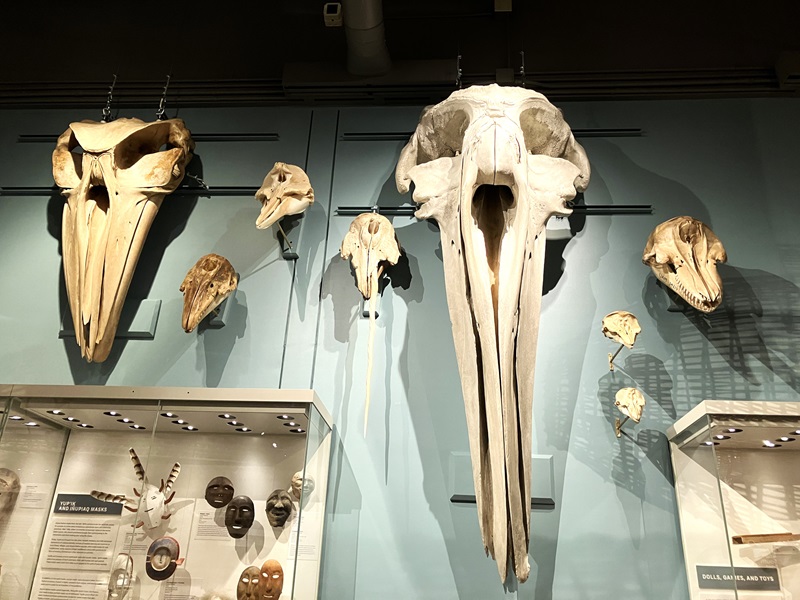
(491, 165)
(683, 253)
(154, 500)
(285, 191)
(206, 285)
(114, 190)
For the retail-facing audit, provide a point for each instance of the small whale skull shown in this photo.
(206, 285)
(683, 253)
(285, 191)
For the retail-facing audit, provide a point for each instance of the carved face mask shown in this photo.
(249, 584)
(683, 253)
(9, 491)
(279, 507)
(630, 403)
(271, 580)
(219, 491)
(154, 500)
(206, 285)
(286, 191)
(302, 486)
(121, 578)
(114, 190)
(621, 327)
(491, 165)
(239, 516)
(163, 558)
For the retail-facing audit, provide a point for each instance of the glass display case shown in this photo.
(737, 481)
(170, 493)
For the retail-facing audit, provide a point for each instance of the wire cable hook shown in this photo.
(107, 110)
(162, 105)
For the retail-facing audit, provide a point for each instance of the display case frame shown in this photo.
(737, 485)
(72, 445)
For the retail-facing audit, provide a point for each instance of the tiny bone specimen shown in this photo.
(630, 403)
(286, 191)
(370, 244)
(683, 253)
(491, 165)
(154, 500)
(206, 285)
(622, 327)
(113, 190)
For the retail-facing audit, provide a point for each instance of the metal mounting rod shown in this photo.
(580, 209)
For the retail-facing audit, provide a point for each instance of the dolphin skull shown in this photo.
(683, 253)
(114, 190)
(206, 285)
(491, 165)
(370, 244)
(286, 191)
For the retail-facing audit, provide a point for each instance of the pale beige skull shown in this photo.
(683, 253)
(622, 327)
(286, 191)
(630, 402)
(206, 285)
(491, 165)
(371, 245)
(114, 190)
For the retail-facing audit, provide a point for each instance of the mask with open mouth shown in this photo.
(683, 253)
(491, 165)
(239, 516)
(114, 190)
(279, 507)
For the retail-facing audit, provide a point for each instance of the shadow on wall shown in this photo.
(746, 349)
(167, 225)
(337, 579)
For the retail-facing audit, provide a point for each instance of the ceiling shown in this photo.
(282, 53)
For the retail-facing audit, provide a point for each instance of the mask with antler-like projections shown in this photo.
(154, 500)
(491, 165)
(114, 190)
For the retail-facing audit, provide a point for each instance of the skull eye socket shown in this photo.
(448, 141)
(544, 130)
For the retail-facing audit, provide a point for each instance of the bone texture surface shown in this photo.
(114, 189)
(370, 244)
(206, 285)
(630, 403)
(683, 253)
(491, 165)
(622, 327)
(286, 191)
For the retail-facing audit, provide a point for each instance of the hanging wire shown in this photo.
(107, 110)
(202, 183)
(522, 67)
(162, 105)
(458, 71)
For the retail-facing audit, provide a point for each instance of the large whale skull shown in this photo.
(491, 165)
(114, 190)
(683, 254)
